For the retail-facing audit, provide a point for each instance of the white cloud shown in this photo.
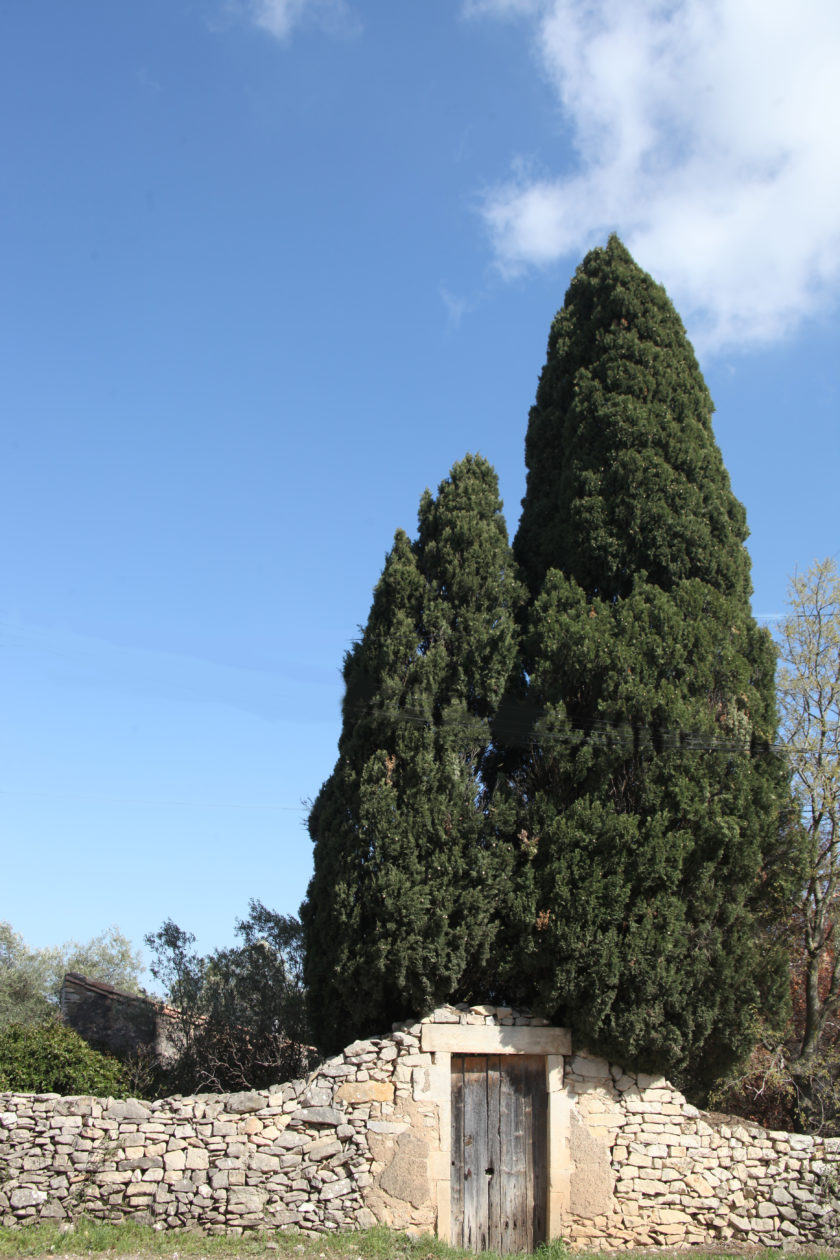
(707, 136)
(280, 17)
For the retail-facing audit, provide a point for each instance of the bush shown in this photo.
(50, 1058)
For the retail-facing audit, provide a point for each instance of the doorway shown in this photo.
(499, 1156)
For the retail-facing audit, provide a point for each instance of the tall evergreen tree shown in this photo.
(400, 912)
(650, 795)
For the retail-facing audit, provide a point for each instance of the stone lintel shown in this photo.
(494, 1039)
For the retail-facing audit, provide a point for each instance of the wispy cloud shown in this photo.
(280, 17)
(456, 307)
(706, 134)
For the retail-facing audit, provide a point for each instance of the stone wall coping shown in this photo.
(494, 1039)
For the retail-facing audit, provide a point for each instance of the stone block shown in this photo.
(335, 1189)
(317, 1096)
(323, 1149)
(129, 1109)
(647, 1185)
(244, 1199)
(27, 1196)
(317, 1116)
(364, 1091)
(492, 1039)
(244, 1101)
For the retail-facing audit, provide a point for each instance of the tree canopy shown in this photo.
(238, 1016)
(568, 796)
(651, 795)
(809, 700)
(30, 979)
(401, 912)
(624, 474)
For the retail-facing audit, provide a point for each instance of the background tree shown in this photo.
(239, 1017)
(650, 795)
(30, 979)
(809, 704)
(27, 993)
(794, 1081)
(108, 957)
(401, 912)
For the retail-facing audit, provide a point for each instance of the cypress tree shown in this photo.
(650, 797)
(400, 912)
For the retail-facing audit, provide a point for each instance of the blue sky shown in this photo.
(269, 268)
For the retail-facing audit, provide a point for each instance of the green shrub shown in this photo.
(51, 1058)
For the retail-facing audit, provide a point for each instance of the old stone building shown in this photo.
(122, 1023)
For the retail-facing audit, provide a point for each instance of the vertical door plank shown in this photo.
(493, 1168)
(511, 1135)
(456, 1175)
(539, 1148)
(475, 1152)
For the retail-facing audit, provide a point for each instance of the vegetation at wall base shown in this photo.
(126, 1238)
(50, 1058)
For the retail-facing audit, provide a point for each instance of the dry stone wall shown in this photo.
(366, 1138)
(651, 1170)
(305, 1154)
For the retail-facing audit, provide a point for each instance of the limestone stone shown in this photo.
(364, 1091)
(317, 1116)
(27, 1196)
(130, 1109)
(245, 1101)
(246, 1199)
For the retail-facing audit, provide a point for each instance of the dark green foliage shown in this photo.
(50, 1058)
(401, 913)
(239, 1018)
(624, 474)
(650, 798)
(585, 815)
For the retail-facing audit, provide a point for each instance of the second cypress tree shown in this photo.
(401, 912)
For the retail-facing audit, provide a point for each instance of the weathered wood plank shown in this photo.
(514, 1189)
(493, 1168)
(475, 1153)
(456, 1176)
(539, 1184)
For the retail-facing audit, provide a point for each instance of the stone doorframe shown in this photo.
(444, 1040)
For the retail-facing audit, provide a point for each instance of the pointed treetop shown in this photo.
(624, 474)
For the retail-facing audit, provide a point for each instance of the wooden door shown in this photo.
(499, 1176)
